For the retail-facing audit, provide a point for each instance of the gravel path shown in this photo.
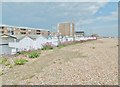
(89, 63)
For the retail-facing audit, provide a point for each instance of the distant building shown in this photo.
(13, 30)
(79, 33)
(66, 29)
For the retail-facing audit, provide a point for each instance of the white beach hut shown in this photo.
(5, 49)
(39, 40)
(26, 43)
(69, 38)
(53, 40)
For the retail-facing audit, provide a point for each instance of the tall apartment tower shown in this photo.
(73, 29)
(66, 29)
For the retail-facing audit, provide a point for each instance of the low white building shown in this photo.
(25, 43)
(12, 44)
(53, 40)
(4, 44)
(38, 41)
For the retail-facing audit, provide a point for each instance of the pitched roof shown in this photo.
(6, 35)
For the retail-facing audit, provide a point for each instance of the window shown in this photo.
(23, 29)
(2, 32)
(38, 30)
(38, 33)
(23, 32)
(12, 32)
(2, 27)
(29, 32)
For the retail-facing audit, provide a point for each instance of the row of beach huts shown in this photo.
(11, 44)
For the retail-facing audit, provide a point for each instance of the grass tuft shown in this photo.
(33, 55)
(20, 61)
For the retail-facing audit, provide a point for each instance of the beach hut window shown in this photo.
(23, 32)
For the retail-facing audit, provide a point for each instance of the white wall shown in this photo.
(39, 42)
(53, 41)
(4, 47)
(26, 44)
(29, 44)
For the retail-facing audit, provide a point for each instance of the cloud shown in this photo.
(55, 0)
(46, 15)
(113, 17)
(58, 10)
(102, 25)
(80, 10)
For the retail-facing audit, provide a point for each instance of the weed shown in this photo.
(33, 55)
(20, 61)
(47, 47)
(1, 73)
(10, 66)
(7, 63)
(3, 60)
(61, 46)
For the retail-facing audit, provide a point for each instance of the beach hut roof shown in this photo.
(6, 35)
(19, 36)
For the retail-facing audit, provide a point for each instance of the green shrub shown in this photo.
(3, 60)
(20, 61)
(7, 63)
(47, 47)
(24, 52)
(33, 55)
(61, 45)
(10, 66)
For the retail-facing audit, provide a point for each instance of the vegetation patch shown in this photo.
(47, 46)
(67, 43)
(20, 61)
(33, 55)
(1, 72)
(10, 66)
(61, 46)
(4, 61)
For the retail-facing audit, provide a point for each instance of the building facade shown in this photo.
(79, 33)
(13, 30)
(4, 44)
(66, 29)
